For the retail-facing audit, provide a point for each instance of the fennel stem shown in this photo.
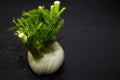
(34, 51)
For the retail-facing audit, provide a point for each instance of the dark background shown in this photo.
(90, 38)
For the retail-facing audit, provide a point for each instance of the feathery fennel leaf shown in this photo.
(39, 27)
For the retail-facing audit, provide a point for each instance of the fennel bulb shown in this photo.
(51, 61)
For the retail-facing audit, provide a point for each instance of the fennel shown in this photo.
(38, 29)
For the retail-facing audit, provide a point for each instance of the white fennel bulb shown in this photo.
(51, 61)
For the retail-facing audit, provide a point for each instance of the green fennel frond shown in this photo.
(39, 27)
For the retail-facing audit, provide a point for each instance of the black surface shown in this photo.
(90, 38)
